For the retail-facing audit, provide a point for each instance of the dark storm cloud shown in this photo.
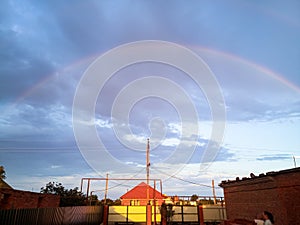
(20, 68)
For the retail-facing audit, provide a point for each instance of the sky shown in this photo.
(214, 85)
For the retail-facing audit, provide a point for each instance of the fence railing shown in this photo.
(92, 215)
(174, 214)
(87, 215)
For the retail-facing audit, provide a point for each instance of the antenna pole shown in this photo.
(147, 168)
(214, 192)
(148, 160)
(106, 188)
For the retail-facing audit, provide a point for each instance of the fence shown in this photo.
(93, 215)
(193, 214)
(85, 215)
(129, 214)
(173, 214)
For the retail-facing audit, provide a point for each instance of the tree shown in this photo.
(94, 200)
(110, 202)
(53, 188)
(2, 173)
(194, 197)
(71, 197)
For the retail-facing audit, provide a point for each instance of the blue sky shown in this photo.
(47, 48)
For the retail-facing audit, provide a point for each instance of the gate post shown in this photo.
(163, 214)
(148, 214)
(105, 214)
(200, 215)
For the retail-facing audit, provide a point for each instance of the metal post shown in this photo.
(81, 184)
(148, 214)
(154, 202)
(105, 214)
(106, 188)
(88, 189)
(214, 192)
(200, 215)
(147, 168)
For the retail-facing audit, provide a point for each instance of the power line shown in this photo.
(184, 180)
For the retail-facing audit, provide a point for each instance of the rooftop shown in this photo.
(260, 176)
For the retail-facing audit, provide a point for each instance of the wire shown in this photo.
(184, 180)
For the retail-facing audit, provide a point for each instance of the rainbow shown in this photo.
(87, 60)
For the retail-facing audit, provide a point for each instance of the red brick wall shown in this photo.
(278, 193)
(14, 199)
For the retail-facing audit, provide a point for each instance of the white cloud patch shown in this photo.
(171, 142)
(103, 123)
(55, 166)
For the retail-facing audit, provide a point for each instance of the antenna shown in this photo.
(148, 160)
(147, 168)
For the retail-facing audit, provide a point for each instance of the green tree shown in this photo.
(94, 200)
(53, 188)
(68, 197)
(194, 197)
(2, 173)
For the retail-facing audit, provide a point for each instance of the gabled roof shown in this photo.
(140, 192)
(4, 185)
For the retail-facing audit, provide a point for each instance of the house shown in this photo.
(138, 196)
(276, 192)
(16, 199)
(4, 185)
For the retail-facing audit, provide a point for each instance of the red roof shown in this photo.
(140, 192)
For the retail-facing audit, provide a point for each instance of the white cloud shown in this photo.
(103, 123)
(55, 166)
(171, 142)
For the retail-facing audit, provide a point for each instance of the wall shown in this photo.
(277, 192)
(87, 215)
(16, 199)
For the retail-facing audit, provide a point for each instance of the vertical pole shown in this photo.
(160, 182)
(163, 213)
(88, 189)
(105, 214)
(223, 208)
(81, 184)
(91, 197)
(214, 192)
(200, 215)
(106, 188)
(147, 168)
(295, 165)
(148, 214)
(154, 202)
(148, 206)
(182, 216)
(148, 160)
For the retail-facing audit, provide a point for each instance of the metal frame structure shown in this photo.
(89, 179)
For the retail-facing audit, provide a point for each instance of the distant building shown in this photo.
(4, 185)
(16, 199)
(276, 192)
(138, 196)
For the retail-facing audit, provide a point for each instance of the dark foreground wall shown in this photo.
(277, 192)
(17, 199)
(85, 215)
